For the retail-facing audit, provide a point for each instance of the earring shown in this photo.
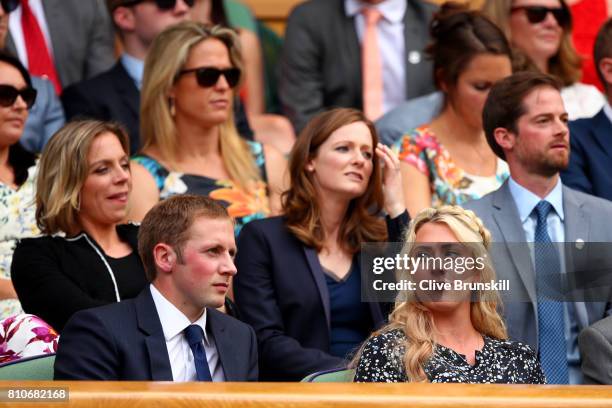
(172, 107)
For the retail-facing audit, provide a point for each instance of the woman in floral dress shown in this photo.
(17, 174)
(448, 161)
(189, 141)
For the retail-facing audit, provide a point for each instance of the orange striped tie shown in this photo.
(371, 66)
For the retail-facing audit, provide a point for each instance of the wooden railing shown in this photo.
(299, 395)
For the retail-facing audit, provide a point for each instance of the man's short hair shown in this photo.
(113, 4)
(603, 48)
(169, 222)
(504, 105)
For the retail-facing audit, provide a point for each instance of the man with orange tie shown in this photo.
(62, 40)
(365, 54)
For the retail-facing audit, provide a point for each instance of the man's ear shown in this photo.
(605, 68)
(504, 138)
(124, 18)
(165, 257)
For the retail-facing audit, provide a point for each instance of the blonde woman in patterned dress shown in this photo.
(17, 174)
(447, 335)
(190, 144)
(448, 161)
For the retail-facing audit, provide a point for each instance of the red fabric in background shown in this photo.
(588, 16)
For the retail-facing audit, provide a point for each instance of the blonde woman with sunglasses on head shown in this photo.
(190, 144)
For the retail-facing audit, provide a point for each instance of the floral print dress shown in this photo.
(449, 184)
(17, 220)
(242, 206)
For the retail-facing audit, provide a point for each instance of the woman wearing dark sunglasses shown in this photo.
(17, 173)
(542, 30)
(190, 143)
(269, 128)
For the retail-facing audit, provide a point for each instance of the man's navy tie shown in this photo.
(194, 335)
(551, 317)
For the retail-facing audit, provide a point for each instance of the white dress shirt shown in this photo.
(174, 322)
(391, 43)
(17, 33)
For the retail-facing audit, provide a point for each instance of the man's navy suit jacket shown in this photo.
(125, 341)
(590, 163)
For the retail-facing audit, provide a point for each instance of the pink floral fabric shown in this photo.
(25, 335)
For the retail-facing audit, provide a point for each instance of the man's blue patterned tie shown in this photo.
(551, 320)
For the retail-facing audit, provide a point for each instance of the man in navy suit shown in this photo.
(171, 331)
(591, 157)
(115, 94)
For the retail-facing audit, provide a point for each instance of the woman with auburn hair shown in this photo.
(88, 257)
(298, 281)
(542, 31)
(190, 142)
(447, 335)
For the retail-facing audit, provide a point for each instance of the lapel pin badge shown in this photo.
(414, 57)
(579, 243)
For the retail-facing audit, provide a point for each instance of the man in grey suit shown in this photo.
(525, 124)
(80, 35)
(596, 350)
(321, 62)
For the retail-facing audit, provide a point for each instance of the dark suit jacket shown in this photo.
(111, 95)
(125, 341)
(81, 36)
(281, 291)
(321, 61)
(591, 156)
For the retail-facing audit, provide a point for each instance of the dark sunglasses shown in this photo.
(9, 94)
(537, 14)
(207, 76)
(161, 4)
(9, 5)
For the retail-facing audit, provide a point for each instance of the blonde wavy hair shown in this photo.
(165, 60)
(566, 64)
(415, 320)
(62, 171)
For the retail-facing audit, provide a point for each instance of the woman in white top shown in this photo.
(542, 30)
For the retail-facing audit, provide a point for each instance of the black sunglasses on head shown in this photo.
(9, 5)
(537, 14)
(208, 76)
(9, 94)
(161, 4)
